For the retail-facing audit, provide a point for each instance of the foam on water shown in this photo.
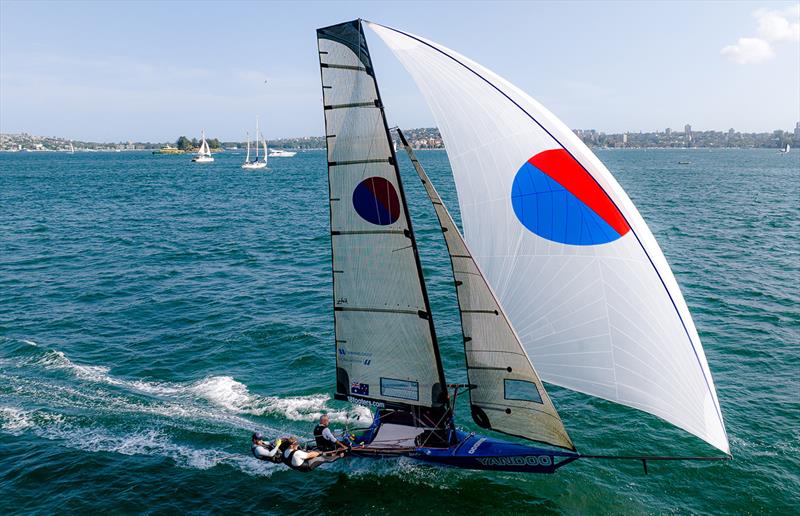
(14, 420)
(53, 359)
(215, 399)
(152, 442)
(192, 406)
(234, 396)
(222, 391)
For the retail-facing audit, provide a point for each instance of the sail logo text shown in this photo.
(353, 357)
(528, 460)
(365, 403)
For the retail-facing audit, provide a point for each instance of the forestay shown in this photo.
(386, 347)
(506, 394)
(574, 265)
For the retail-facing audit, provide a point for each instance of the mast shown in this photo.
(386, 346)
(256, 137)
(506, 394)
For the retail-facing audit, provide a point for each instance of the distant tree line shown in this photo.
(184, 143)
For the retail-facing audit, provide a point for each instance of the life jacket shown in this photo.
(322, 443)
(256, 455)
(287, 460)
(269, 447)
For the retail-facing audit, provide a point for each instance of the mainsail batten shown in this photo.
(506, 394)
(596, 306)
(386, 345)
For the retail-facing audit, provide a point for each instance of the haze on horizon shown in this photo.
(147, 71)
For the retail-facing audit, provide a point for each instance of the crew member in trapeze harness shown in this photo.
(301, 460)
(265, 450)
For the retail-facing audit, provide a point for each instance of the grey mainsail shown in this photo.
(386, 348)
(506, 395)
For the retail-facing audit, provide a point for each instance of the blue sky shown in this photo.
(153, 71)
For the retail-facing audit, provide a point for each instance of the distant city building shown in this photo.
(667, 131)
(797, 132)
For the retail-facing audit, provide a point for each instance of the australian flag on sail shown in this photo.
(361, 389)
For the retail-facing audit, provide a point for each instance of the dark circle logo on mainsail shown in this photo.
(554, 197)
(375, 200)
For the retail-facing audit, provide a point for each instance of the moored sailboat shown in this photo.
(257, 163)
(558, 269)
(204, 152)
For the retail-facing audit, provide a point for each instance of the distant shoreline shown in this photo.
(441, 149)
(430, 138)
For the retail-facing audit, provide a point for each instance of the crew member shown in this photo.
(263, 450)
(324, 438)
(302, 460)
(298, 459)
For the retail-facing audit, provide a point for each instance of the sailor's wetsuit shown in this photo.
(271, 452)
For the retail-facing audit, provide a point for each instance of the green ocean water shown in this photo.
(154, 312)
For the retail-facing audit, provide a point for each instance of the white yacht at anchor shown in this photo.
(257, 163)
(281, 153)
(204, 153)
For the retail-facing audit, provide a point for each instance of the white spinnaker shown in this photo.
(608, 320)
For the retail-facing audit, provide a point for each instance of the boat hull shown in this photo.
(484, 453)
(469, 451)
(254, 166)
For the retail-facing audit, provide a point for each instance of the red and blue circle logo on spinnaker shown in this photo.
(376, 201)
(555, 197)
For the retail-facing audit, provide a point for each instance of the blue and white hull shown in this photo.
(484, 453)
(457, 449)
